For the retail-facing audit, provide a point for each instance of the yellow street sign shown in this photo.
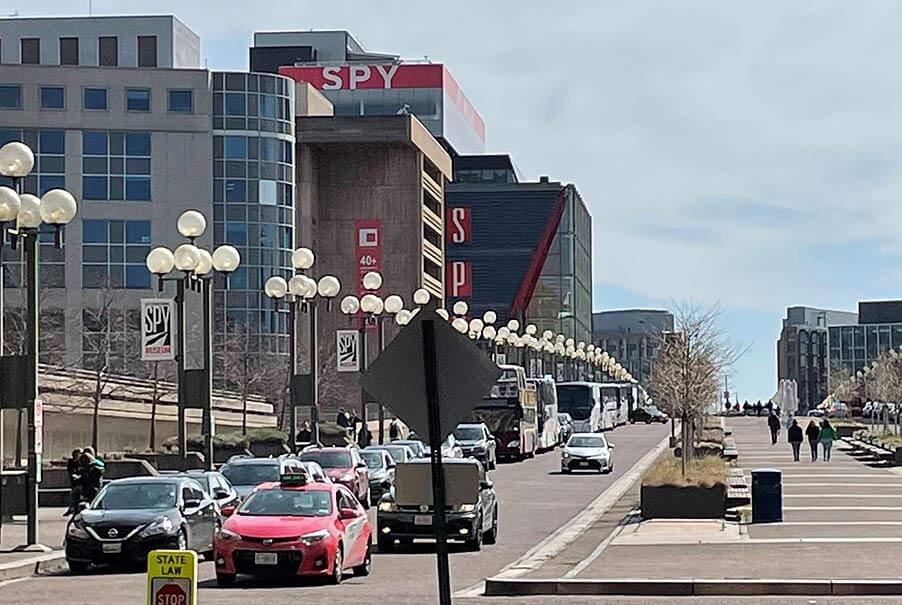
(172, 577)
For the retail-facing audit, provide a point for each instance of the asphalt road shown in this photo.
(535, 500)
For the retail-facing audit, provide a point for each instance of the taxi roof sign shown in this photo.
(172, 577)
(293, 476)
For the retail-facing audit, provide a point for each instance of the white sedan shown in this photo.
(587, 451)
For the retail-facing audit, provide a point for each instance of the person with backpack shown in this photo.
(827, 436)
(795, 437)
(812, 432)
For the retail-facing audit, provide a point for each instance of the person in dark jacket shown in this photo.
(342, 418)
(73, 470)
(394, 431)
(795, 437)
(92, 476)
(773, 423)
(812, 432)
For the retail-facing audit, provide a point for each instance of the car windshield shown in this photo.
(468, 433)
(288, 503)
(134, 496)
(399, 453)
(586, 442)
(576, 400)
(373, 459)
(204, 481)
(329, 459)
(251, 474)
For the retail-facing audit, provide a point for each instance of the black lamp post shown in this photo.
(193, 268)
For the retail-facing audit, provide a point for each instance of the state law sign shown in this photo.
(157, 329)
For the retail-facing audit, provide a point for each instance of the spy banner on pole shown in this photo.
(157, 329)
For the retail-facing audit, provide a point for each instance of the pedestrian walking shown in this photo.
(827, 436)
(795, 437)
(813, 431)
(773, 423)
(73, 471)
(394, 431)
(758, 409)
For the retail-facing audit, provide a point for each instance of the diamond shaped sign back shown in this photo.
(397, 378)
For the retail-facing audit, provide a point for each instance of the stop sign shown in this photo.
(170, 594)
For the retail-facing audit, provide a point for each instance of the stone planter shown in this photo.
(847, 430)
(678, 502)
(898, 455)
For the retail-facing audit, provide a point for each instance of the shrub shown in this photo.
(705, 471)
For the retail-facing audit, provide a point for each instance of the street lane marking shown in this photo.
(556, 542)
(884, 508)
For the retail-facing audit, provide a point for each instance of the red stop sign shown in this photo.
(170, 594)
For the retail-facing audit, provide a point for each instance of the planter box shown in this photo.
(675, 502)
(898, 455)
(265, 449)
(846, 430)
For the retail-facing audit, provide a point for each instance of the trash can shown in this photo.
(767, 495)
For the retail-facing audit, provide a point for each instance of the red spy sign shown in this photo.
(459, 278)
(458, 225)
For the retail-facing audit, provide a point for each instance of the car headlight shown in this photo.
(467, 508)
(388, 507)
(160, 525)
(315, 537)
(515, 443)
(227, 534)
(77, 530)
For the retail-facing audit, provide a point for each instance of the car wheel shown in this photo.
(364, 568)
(491, 536)
(565, 470)
(78, 568)
(386, 544)
(225, 579)
(337, 566)
(475, 543)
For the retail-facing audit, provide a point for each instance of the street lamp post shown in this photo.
(303, 291)
(57, 208)
(194, 268)
(371, 305)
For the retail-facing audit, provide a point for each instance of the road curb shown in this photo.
(53, 562)
(506, 586)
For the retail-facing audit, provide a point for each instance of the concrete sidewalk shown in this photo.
(51, 532)
(841, 534)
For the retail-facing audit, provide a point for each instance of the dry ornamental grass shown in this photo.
(705, 471)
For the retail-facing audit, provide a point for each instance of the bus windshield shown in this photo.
(576, 400)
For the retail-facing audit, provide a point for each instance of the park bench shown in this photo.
(738, 492)
(729, 449)
(875, 450)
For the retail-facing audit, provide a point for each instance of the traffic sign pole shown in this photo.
(438, 473)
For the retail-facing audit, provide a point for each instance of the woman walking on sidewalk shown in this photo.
(826, 437)
(813, 431)
(795, 437)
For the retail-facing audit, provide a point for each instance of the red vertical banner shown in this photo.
(459, 278)
(368, 250)
(458, 225)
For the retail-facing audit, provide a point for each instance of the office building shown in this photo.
(632, 337)
(802, 351)
(362, 83)
(855, 344)
(521, 249)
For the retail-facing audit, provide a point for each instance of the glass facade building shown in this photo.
(253, 197)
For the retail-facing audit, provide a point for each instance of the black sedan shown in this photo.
(131, 517)
(648, 414)
(217, 486)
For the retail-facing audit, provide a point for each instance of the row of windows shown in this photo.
(116, 165)
(252, 148)
(96, 98)
(113, 254)
(107, 51)
(50, 159)
(253, 191)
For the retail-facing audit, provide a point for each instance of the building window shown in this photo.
(181, 101)
(68, 51)
(113, 254)
(116, 166)
(10, 96)
(147, 51)
(31, 51)
(50, 158)
(108, 48)
(137, 99)
(53, 97)
(95, 98)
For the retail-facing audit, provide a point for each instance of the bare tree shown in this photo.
(691, 360)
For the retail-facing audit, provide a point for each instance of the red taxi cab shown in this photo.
(294, 527)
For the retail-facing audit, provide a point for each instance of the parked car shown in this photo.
(417, 446)
(586, 451)
(476, 441)
(648, 414)
(344, 466)
(295, 527)
(406, 513)
(450, 448)
(399, 453)
(566, 422)
(217, 486)
(246, 473)
(131, 517)
(380, 469)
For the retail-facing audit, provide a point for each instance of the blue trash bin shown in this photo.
(767, 495)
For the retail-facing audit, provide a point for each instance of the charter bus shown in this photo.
(616, 401)
(582, 400)
(510, 413)
(547, 426)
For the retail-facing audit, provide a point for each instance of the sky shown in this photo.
(740, 153)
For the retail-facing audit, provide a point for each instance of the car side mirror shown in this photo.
(220, 493)
(361, 464)
(346, 514)
(83, 506)
(228, 511)
(611, 445)
(392, 464)
(486, 484)
(192, 503)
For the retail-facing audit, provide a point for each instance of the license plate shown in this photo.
(266, 558)
(112, 548)
(584, 463)
(422, 520)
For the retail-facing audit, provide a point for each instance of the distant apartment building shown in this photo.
(632, 337)
(802, 351)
